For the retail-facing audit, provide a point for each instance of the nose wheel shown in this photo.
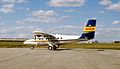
(32, 47)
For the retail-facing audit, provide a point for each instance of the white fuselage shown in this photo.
(59, 39)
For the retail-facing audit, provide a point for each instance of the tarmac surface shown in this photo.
(25, 58)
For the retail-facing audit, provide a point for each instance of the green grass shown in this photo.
(12, 44)
(94, 45)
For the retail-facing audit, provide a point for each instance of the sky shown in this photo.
(18, 18)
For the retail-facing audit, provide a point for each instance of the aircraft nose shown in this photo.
(25, 42)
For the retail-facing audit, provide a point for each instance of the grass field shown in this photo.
(12, 44)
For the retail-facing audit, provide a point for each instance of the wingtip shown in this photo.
(36, 32)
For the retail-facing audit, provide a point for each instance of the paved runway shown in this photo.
(23, 58)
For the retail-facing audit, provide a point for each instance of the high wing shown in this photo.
(48, 36)
(51, 39)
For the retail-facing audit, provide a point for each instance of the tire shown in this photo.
(32, 47)
(50, 47)
(54, 47)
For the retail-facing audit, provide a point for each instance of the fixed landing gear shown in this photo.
(52, 47)
(32, 47)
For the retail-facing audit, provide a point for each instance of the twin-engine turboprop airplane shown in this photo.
(53, 41)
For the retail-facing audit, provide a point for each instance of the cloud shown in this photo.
(66, 29)
(114, 7)
(42, 16)
(112, 30)
(71, 27)
(7, 8)
(18, 31)
(66, 3)
(44, 13)
(116, 22)
(105, 2)
(71, 10)
(102, 12)
(39, 20)
(27, 9)
(110, 5)
(22, 35)
(4, 31)
(107, 32)
(13, 1)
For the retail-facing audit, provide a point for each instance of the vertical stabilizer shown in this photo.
(89, 30)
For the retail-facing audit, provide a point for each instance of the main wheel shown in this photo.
(54, 47)
(32, 47)
(50, 47)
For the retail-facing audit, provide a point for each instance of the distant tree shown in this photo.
(116, 41)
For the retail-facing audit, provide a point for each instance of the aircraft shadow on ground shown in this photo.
(59, 49)
(62, 49)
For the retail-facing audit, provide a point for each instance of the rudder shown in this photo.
(89, 30)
